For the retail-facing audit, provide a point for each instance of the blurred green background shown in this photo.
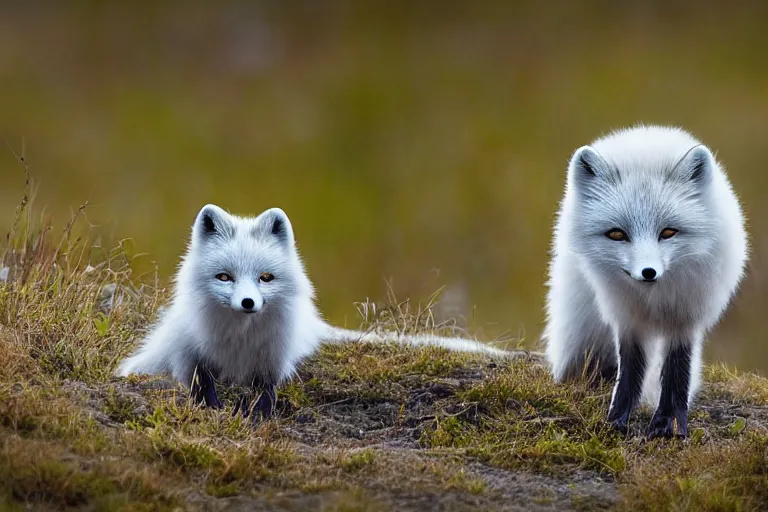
(424, 142)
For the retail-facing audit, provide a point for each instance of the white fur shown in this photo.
(645, 182)
(337, 334)
(205, 321)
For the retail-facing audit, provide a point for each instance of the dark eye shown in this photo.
(266, 277)
(617, 235)
(667, 233)
(224, 277)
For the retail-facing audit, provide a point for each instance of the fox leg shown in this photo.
(629, 383)
(671, 416)
(262, 407)
(203, 388)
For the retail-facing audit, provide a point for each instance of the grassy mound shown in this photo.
(363, 427)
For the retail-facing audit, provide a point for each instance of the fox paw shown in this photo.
(260, 409)
(620, 425)
(667, 426)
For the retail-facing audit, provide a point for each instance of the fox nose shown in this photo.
(649, 274)
(247, 303)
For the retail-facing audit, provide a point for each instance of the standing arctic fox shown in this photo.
(243, 312)
(649, 247)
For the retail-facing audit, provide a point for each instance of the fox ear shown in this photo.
(697, 165)
(588, 162)
(212, 221)
(586, 165)
(274, 222)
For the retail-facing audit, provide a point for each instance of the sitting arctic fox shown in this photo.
(243, 312)
(649, 247)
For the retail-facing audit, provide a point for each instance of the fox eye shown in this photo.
(266, 277)
(224, 277)
(667, 233)
(617, 235)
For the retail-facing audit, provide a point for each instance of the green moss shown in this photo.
(556, 449)
(185, 455)
(294, 393)
(118, 407)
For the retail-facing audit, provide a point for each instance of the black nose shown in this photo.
(649, 274)
(247, 303)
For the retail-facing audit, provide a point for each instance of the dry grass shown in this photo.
(731, 384)
(363, 427)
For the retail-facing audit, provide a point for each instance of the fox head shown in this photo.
(249, 265)
(642, 219)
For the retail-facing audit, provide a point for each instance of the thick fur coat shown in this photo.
(649, 248)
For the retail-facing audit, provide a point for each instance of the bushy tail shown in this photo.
(338, 335)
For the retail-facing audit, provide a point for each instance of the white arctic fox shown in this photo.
(649, 247)
(243, 312)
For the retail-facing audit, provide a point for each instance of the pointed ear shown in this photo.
(274, 222)
(697, 165)
(212, 221)
(586, 167)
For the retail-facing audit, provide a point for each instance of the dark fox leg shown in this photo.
(203, 388)
(260, 408)
(629, 384)
(671, 417)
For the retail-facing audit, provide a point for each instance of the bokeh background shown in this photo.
(422, 142)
